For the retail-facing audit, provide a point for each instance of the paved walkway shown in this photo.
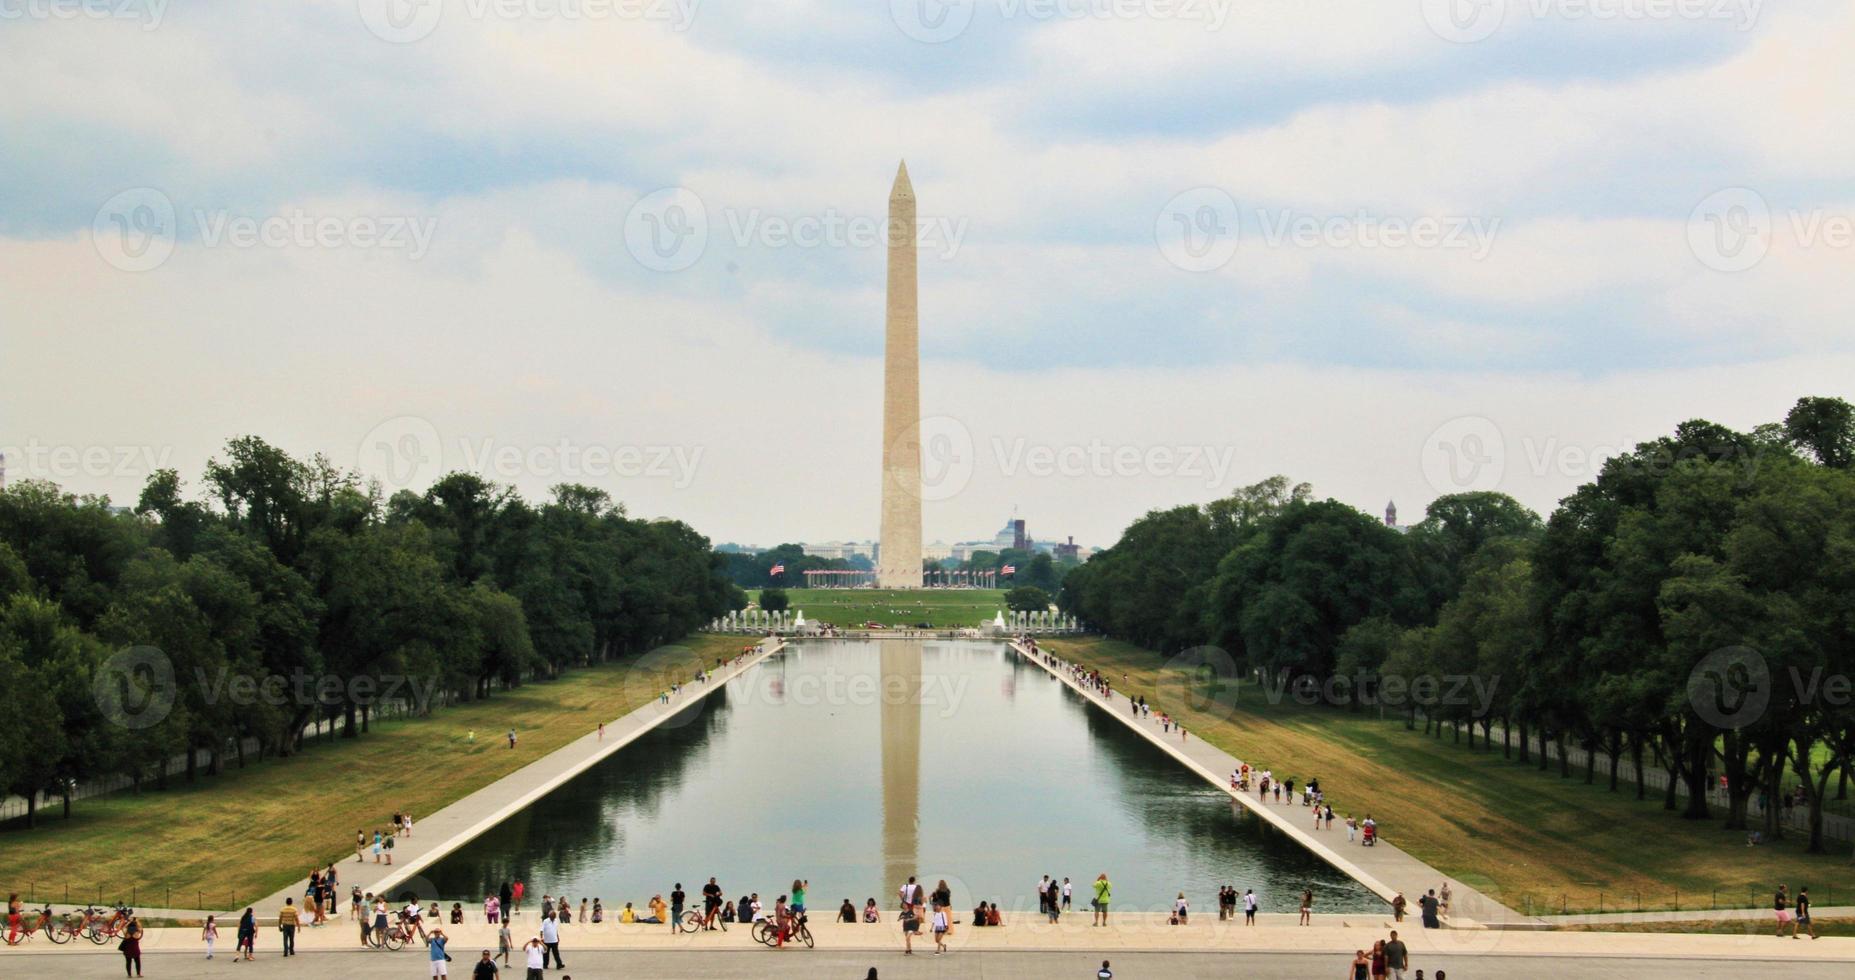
(1383, 868)
(1030, 933)
(442, 832)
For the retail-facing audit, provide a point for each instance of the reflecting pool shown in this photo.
(856, 763)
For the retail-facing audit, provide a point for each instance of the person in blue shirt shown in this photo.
(434, 944)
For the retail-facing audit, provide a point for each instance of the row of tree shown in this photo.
(1691, 608)
(293, 597)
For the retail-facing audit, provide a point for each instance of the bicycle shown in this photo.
(44, 924)
(100, 930)
(393, 940)
(693, 920)
(766, 932)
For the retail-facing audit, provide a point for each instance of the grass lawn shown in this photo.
(244, 834)
(944, 608)
(1522, 836)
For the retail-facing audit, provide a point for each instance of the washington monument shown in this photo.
(900, 562)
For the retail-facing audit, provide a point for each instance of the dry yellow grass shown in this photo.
(247, 833)
(1524, 837)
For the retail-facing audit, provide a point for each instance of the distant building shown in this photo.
(1068, 550)
(1391, 517)
(844, 550)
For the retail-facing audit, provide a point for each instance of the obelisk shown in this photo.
(900, 563)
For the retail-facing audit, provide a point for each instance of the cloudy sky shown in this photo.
(1392, 247)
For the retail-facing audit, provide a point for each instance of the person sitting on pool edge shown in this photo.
(847, 912)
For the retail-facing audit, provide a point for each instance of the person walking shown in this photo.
(1397, 957)
(1361, 968)
(1427, 909)
(1802, 919)
(550, 935)
(131, 947)
(210, 933)
(537, 958)
(248, 933)
(287, 919)
(506, 901)
(360, 843)
(504, 941)
(941, 926)
(485, 968)
(1104, 890)
(1398, 906)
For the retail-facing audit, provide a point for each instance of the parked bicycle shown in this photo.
(693, 920)
(55, 929)
(99, 929)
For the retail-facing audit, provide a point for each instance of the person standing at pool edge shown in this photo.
(1104, 890)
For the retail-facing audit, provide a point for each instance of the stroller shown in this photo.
(1369, 835)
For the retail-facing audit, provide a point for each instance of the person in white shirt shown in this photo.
(940, 930)
(1249, 907)
(550, 937)
(414, 918)
(537, 958)
(1068, 889)
(1043, 894)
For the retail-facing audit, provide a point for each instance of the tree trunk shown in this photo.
(1642, 781)
(1523, 743)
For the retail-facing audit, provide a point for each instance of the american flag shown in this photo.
(1009, 570)
(777, 570)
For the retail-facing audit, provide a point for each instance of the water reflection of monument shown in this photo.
(901, 759)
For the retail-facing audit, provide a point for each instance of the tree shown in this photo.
(1027, 598)
(1824, 428)
(774, 600)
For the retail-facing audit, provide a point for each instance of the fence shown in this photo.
(1659, 900)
